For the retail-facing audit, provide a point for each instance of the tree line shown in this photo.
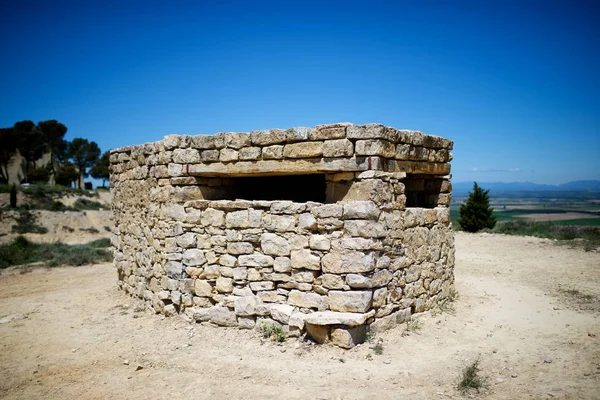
(69, 161)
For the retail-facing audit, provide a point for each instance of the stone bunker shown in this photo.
(333, 230)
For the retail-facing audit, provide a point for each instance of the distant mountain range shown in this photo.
(497, 187)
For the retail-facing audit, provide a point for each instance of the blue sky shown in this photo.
(514, 83)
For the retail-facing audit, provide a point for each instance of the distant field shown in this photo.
(561, 208)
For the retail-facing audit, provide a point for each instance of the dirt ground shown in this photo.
(528, 309)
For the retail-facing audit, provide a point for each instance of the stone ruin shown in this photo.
(334, 230)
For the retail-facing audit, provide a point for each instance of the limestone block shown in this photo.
(286, 207)
(332, 281)
(210, 272)
(209, 156)
(239, 140)
(281, 313)
(277, 277)
(202, 288)
(255, 260)
(344, 263)
(282, 264)
(319, 333)
(274, 152)
(174, 269)
(240, 248)
(268, 137)
(169, 141)
(176, 212)
(246, 323)
(245, 306)
(394, 319)
(328, 210)
(254, 275)
(364, 228)
(329, 131)
(338, 148)
(297, 320)
(228, 260)
(226, 272)
(305, 259)
(329, 224)
(212, 217)
(240, 274)
(222, 316)
(303, 150)
(319, 242)
(347, 338)
(350, 301)
(307, 221)
(250, 153)
(298, 242)
(203, 142)
(275, 245)
(279, 223)
(298, 134)
(376, 190)
(358, 281)
(381, 278)
(359, 243)
(307, 300)
(186, 156)
(186, 240)
(169, 310)
(338, 318)
(270, 296)
(369, 131)
(304, 276)
(238, 219)
(259, 286)
(381, 148)
(364, 209)
(224, 285)
(194, 257)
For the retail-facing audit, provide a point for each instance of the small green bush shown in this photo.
(470, 377)
(272, 331)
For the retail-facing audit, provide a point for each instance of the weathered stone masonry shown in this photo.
(331, 230)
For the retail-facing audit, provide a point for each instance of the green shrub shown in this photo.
(589, 236)
(476, 213)
(21, 251)
(272, 331)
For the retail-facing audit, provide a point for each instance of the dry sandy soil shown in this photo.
(523, 311)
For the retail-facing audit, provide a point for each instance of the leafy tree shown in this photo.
(8, 148)
(83, 154)
(476, 213)
(30, 142)
(67, 174)
(100, 168)
(39, 175)
(54, 133)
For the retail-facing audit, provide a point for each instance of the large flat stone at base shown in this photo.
(347, 338)
(318, 333)
(338, 318)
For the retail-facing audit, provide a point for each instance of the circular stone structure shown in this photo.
(333, 230)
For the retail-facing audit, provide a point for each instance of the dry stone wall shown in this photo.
(361, 259)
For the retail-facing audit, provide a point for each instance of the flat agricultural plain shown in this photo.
(527, 309)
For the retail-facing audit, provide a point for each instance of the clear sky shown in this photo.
(515, 84)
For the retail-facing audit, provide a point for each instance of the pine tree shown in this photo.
(476, 213)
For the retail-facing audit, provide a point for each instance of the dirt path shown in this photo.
(528, 309)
